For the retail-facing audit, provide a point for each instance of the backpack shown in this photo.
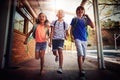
(34, 30)
(63, 24)
(32, 35)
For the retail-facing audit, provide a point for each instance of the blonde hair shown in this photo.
(60, 11)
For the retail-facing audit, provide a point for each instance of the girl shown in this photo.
(40, 38)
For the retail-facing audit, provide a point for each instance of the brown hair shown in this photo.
(80, 7)
(38, 21)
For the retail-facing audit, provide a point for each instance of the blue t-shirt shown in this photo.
(79, 28)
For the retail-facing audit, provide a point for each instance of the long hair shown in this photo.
(38, 21)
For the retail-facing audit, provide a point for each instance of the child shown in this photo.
(79, 32)
(40, 38)
(59, 32)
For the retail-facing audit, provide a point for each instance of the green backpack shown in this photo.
(32, 35)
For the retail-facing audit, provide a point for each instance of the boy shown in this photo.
(59, 32)
(79, 34)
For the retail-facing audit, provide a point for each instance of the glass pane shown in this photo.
(30, 25)
(19, 22)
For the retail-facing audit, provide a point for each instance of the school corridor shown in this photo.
(29, 70)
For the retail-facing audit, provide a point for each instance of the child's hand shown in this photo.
(86, 15)
(66, 37)
(72, 39)
(50, 44)
(25, 42)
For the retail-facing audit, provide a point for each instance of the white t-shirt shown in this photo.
(59, 29)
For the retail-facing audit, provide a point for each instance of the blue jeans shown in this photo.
(40, 46)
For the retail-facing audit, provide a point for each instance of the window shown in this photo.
(19, 22)
(30, 25)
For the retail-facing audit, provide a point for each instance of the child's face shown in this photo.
(42, 18)
(60, 14)
(80, 12)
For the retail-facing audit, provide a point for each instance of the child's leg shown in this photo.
(42, 53)
(56, 55)
(60, 57)
(37, 55)
(80, 62)
(37, 50)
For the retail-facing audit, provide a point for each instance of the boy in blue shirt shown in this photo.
(79, 34)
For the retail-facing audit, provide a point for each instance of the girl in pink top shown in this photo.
(40, 38)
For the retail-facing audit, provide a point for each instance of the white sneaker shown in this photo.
(60, 70)
(82, 73)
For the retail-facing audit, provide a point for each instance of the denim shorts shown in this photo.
(57, 43)
(40, 46)
(81, 47)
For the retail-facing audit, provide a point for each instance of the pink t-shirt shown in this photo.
(40, 34)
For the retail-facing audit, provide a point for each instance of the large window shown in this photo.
(19, 22)
(30, 25)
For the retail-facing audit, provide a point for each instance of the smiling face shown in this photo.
(60, 14)
(42, 17)
(80, 11)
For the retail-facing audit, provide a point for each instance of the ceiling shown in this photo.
(50, 7)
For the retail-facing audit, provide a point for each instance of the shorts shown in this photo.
(81, 47)
(40, 46)
(57, 44)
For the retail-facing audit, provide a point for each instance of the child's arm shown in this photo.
(71, 34)
(66, 36)
(51, 36)
(90, 23)
(28, 34)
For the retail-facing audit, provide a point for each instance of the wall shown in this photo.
(19, 50)
(108, 37)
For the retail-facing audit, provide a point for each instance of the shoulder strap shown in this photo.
(47, 31)
(64, 24)
(75, 20)
(34, 28)
(55, 23)
(85, 20)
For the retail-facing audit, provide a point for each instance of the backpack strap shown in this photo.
(63, 23)
(34, 29)
(55, 23)
(85, 20)
(75, 20)
(47, 31)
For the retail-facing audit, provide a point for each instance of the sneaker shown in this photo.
(60, 70)
(42, 72)
(56, 59)
(82, 73)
